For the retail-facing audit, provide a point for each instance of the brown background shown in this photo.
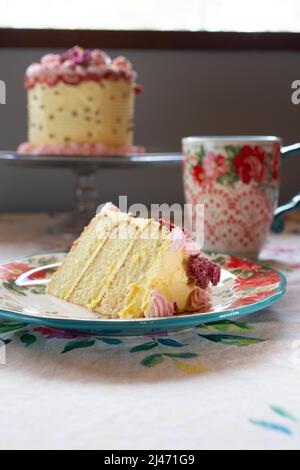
(187, 92)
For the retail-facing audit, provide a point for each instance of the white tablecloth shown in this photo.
(112, 396)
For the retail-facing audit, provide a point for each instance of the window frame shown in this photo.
(112, 39)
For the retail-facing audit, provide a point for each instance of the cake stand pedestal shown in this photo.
(86, 194)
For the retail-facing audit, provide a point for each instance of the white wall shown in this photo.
(186, 93)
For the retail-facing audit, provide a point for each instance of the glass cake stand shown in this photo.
(86, 194)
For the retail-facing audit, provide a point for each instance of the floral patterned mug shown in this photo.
(237, 180)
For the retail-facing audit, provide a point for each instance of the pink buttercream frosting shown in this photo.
(160, 307)
(182, 242)
(76, 65)
(109, 206)
(76, 148)
(201, 271)
(199, 298)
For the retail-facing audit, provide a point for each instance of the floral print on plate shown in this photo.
(242, 283)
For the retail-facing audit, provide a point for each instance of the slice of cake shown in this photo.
(127, 267)
(80, 102)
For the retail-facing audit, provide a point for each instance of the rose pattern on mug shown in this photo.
(238, 183)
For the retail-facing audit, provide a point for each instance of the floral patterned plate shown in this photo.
(245, 288)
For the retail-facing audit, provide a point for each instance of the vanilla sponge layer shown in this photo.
(86, 112)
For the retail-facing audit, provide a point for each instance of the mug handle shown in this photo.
(294, 203)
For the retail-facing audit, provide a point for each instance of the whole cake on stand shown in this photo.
(81, 103)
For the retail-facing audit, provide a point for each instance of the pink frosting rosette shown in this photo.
(160, 307)
(200, 298)
(100, 57)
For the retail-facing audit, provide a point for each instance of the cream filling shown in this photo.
(171, 280)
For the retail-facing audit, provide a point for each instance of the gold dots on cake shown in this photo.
(125, 94)
(89, 114)
(41, 127)
(34, 97)
(102, 85)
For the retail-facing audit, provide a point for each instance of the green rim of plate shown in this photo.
(142, 326)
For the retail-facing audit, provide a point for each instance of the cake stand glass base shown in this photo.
(86, 198)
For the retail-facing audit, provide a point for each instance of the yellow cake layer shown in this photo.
(100, 273)
(117, 263)
(86, 112)
(81, 254)
(129, 294)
